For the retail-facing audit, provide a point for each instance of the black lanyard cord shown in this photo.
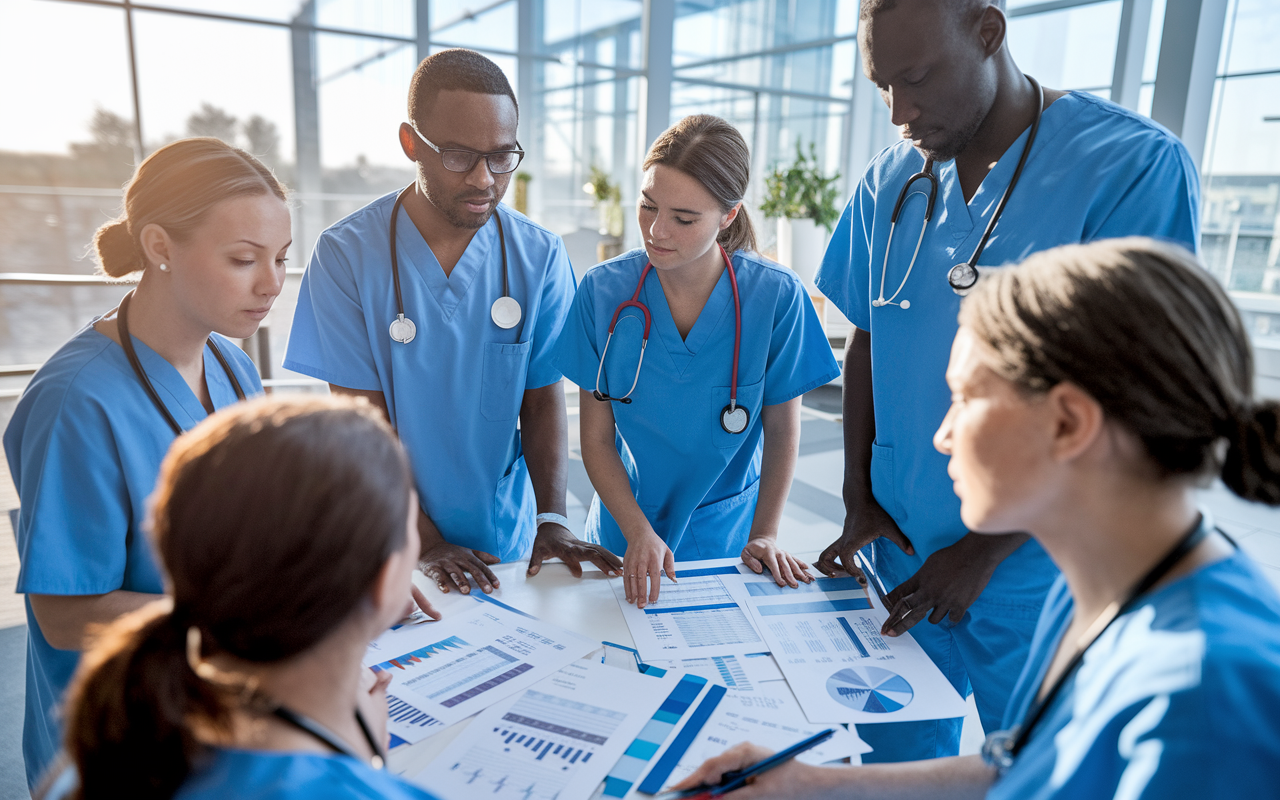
(310, 726)
(126, 341)
(1184, 546)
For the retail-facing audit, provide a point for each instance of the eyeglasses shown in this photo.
(455, 160)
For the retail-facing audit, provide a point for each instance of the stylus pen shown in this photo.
(738, 778)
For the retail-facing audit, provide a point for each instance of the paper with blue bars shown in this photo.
(695, 615)
(443, 672)
(557, 739)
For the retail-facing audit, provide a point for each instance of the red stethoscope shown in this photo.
(733, 417)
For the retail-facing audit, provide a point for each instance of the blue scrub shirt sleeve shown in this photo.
(553, 311)
(800, 356)
(1162, 201)
(844, 275)
(336, 350)
(575, 351)
(74, 525)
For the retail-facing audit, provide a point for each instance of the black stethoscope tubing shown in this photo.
(962, 277)
(126, 341)
(308, 725)
(395, 261)
(1153, 576)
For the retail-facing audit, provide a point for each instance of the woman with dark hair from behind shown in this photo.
(692, 448)
(287, 530)
(1094, 387)
(205, 230)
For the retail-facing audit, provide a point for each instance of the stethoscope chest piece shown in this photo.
(734, 418)
(506, 312)
(962, 277)
(402, 329)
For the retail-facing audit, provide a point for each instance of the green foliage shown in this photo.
(602, 188)
(801, 191)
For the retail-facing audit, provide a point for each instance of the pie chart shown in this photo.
(871, 689)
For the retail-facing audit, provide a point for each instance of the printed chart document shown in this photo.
(695, 616)
(825, 636)
(554, 741)
(446, 671)
(700, 719)
(735, 672)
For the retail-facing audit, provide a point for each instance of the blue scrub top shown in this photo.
(260, 775)
(454, 392)
(1095, 171)
(1178, 698)
(84, 447)
(696, 483)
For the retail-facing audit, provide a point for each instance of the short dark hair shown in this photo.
(456, 69)
(870, 8)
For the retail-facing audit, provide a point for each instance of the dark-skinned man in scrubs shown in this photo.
(1094, 171)
(452, 338)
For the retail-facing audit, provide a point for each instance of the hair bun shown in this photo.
(117, 254)
(1252, 466)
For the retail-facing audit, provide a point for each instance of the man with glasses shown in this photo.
(450, 332)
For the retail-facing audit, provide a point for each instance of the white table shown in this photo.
(584, 605)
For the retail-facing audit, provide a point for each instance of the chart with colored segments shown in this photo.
(445, 671)
(694, 617)
(827, 642)
(556, 739)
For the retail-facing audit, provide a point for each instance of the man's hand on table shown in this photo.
(556, 541)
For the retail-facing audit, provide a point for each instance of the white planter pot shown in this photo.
(801, 243)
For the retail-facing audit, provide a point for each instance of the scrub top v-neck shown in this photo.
(454, 392)
(696, 482)
(84, 448)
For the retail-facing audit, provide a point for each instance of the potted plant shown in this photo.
(606, 198)
(804, 202)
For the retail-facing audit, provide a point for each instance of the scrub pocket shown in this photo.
(751, 396)
(514, 508)
(721, 529)
(883, 485)
(502, 387)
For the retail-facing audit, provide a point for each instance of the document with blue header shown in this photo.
(825, 637)
(695, 616)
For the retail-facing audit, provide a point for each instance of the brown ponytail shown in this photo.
(174, 187)
(272, 520)
(1144, 329)
(131, 705)
(712, 152)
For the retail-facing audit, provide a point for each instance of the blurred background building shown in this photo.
(317, 88)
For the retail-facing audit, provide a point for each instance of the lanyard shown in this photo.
(126, 341)
(308, 725)
(1002, 747)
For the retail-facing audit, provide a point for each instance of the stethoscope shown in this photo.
(963, 276)
(733, 417)
(308, 725)
(505, 311)
(1002, 747)
(126, 341)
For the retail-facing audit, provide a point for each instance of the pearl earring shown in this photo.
(164, 267)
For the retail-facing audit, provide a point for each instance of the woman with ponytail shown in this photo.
(205, 228)
(1094, 387)
(287, 532)
(691, 448)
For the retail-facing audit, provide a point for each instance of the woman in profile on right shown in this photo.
(1093, 388)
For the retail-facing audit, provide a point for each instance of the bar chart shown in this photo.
(533, 752)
